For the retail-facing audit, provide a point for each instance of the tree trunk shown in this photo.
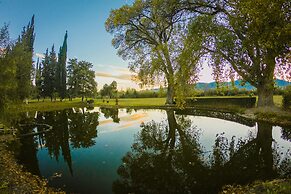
(265, 152)
(265, 95)
(170, 94)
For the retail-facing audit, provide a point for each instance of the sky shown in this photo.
(87, 38)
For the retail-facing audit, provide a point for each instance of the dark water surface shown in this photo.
(150, 151)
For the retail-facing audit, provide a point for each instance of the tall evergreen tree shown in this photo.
(7, 72)
(46, 74)
(22, 53)
(49, 73)
(39, 79)
(53, 63)
(62, 69)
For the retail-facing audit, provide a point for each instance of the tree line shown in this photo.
(16, 64)
(55, 79)
(21, 77)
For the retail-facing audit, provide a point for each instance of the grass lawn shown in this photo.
(132, 102)
(47, 105)
(278, 100)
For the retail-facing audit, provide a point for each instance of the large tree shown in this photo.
(81, 79)
(251, 36)
(150, 35)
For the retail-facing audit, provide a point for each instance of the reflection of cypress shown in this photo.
(27, 155)
(58, 139)
(82, 129)
(63, 118)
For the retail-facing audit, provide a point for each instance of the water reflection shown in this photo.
(112, 113)
(169, 154)
(70, 128)
(167, 157)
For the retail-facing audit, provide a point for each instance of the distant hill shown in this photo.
(247, 86)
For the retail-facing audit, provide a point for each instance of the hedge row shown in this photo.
(287, 97)
(246, 102)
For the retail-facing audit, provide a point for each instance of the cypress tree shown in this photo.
(62, 69)
(39, 79)
(53, 64)
(46, 74)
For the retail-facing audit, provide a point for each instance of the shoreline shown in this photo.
(17, 179)
(272, 115)
(14, 178)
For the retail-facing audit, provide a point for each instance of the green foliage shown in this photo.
(150, 35)
(61, 73)
(133, 93)
(81, 79)
(49, 73)
(246, 102)
(250, 36)
(109, 90)
(22, 53)
(8, 72)
(287, 97)
(16, 64)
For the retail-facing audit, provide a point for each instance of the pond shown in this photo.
(150, 151)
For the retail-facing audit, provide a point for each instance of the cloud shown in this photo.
(109, 75)
(39, 55)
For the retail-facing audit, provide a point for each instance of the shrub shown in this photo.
(246, 102)
(287, 97)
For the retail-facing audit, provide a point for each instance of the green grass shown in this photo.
(133, 102)
(47, 105)
(278, 100)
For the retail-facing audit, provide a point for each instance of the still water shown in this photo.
(150, 151)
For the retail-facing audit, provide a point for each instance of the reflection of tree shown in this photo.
(83, 128)
(111, 112)
(167, 158)
(78, 128)
(27, 152)
(286, 133)
(57, 140)
(160, 156)
(249, 160)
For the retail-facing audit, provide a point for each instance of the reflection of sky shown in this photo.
(94, 168)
